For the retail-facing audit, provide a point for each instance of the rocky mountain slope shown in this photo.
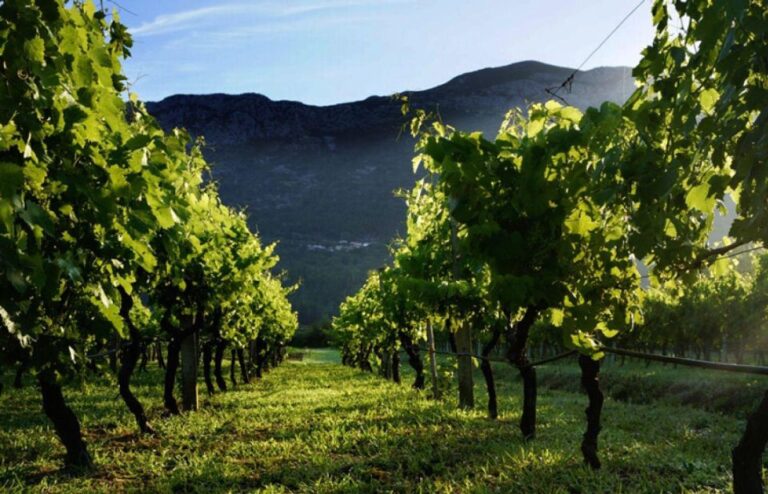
(320, 180)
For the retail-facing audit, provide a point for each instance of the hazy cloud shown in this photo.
(199, 18)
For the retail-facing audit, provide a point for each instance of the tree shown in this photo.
(101, 210)
(533, 205)
(701, 121)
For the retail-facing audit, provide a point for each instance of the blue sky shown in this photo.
(331, 51)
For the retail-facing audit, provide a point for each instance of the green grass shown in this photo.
(320, 356)
(635, 382)
(315, 426)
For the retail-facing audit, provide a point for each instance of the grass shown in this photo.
(635, 382)
(315, 426)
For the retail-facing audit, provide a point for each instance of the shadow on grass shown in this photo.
(324, 428)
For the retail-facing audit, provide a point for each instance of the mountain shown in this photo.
(320, 179)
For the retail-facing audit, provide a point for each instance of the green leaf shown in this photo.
(6, 214)
(70, 269)
(580, 223)
(698, 198)
(112, 315)
(607, 332)
(11, 179)
(556, 317)
(571, 113)
(534, 126)
(721, 267)
(164, 214)
(166, 217)
(137, 160)
(35, 174)
(83, 73)
(139, 141)
(141, 250)
(34, 50)
(708, 99)
(72, 39)
(670, 230)
(5, 317)
(416, 161)
(7, 135)
(35, 216)
(29, 153)
(7, 321)
(552, 106)
(17, 280)
(102, 295)
(659, 10)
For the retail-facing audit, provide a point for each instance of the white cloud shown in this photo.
(181, 20)
(201, 17)
(216, 38)
(288, 26)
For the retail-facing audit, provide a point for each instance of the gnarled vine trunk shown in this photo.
(364, 359)
(207, 357)
(485, 366)
(251, 357)
(177, 336)
(217, 362)
(159, 350)
(144, 358)
(747, 456)
(396, 367)
(518, 339)
(259, 351)
(451, 337)
(130, 356)
(243, 368)
(112, 356)
(233, 368)
(65, 422)
(17, 380)
(528, 419)
(414, 359)
(386, 367)
(590, 379)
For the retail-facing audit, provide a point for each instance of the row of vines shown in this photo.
(112, 238)
(586, 228)
(717, 315)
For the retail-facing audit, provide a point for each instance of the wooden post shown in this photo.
(466, 381)
(463, 338)
(189, 372)
(432, 361)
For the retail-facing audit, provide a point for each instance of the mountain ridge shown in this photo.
(320, 179)
(373, 112)
(515, 66)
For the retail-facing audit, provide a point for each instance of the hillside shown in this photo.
(321, 179)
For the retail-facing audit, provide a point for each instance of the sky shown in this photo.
(324, 52)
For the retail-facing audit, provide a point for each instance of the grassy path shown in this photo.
(314, 426)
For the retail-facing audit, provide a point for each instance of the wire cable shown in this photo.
(569, 80)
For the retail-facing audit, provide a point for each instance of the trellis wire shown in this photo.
(703, 364)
